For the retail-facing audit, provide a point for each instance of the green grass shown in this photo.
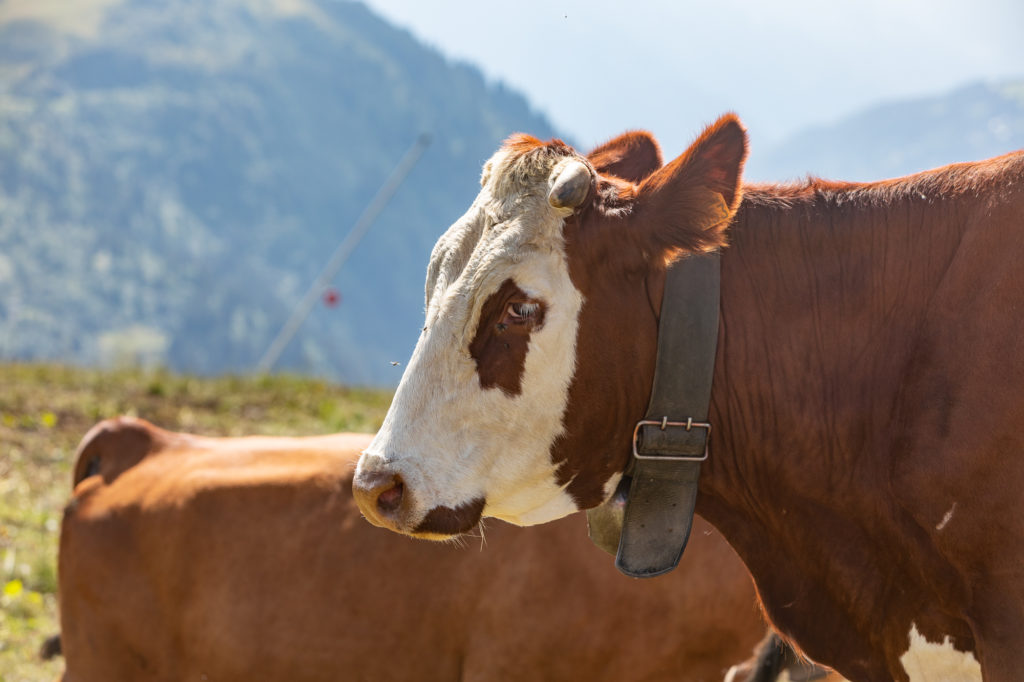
(45, 410)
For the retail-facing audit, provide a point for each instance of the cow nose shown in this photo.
(379, 495)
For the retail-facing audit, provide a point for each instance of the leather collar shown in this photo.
(646, 524)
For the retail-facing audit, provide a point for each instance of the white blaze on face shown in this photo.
(927, 661)
(448, 438)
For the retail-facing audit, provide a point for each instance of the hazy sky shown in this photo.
(597, 68)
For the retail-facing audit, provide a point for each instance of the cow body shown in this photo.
(872, 372)
(868, 399)
(189, 558)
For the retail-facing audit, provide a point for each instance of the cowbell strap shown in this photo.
(670, 443)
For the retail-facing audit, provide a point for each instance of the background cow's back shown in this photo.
(188, 558)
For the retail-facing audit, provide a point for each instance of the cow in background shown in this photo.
(192, 558)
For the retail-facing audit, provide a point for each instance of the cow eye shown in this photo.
(520, 312)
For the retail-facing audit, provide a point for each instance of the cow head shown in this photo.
(538, 350)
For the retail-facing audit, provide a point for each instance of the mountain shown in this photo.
(975, 122)
(175, 173)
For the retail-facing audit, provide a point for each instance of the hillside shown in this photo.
(174, 174)
(975, 122)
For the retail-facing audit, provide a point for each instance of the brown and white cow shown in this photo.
(190, 558)
(868, 400)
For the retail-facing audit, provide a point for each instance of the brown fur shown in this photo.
(528, 151)
(681, 196)
(247, 559)
(631, 156)
(521, 143)
(130, 444)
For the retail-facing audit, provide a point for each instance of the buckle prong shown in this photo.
(665, 423)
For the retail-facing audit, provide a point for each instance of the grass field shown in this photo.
(44, 412)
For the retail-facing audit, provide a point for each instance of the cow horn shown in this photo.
(571, 185)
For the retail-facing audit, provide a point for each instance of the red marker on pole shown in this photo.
(341, 254)
(331, 297)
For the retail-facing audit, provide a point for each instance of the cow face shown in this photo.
(538, 349)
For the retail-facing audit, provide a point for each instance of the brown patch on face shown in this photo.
(448, 521)
(507, 319)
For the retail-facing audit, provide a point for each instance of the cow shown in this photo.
(867, 398)
(194, 558)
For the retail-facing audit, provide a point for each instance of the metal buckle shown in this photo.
(664, 423)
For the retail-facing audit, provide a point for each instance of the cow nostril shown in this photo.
(380, 495)
(390, 500)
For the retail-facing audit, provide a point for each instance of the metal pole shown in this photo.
(344, 250)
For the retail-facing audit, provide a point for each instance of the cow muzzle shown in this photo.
(385, 501)
(381, 497)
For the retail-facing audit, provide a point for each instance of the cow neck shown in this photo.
(821, 321)
(671, 441)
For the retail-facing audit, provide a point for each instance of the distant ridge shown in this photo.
(173, 175)
(974, 122)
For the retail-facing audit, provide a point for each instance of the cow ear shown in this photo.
(631, 156)
(687, 205)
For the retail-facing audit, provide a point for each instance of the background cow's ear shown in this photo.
(631, 156)
(687, 205)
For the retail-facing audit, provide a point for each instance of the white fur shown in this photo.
(947, 518)
(927, 661)
(611, 484)
(449, 439)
